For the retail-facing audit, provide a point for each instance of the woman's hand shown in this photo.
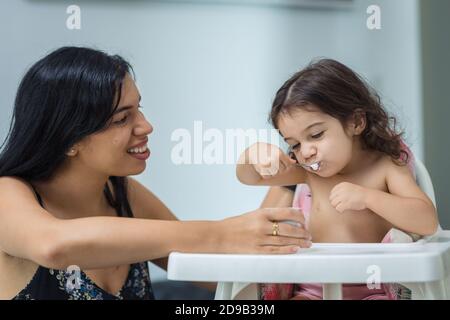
(253, 232)
(348, 196)
(268, 160)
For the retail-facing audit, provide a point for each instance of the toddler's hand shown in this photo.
(348, 196)
(268, 159)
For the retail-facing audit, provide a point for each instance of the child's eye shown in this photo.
(295, 146)
(317, 135)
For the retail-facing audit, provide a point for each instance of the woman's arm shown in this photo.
(146, 205)
(28, 231)
(406, 206)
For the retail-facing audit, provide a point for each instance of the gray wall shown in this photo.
(436, 100)
(220, 64)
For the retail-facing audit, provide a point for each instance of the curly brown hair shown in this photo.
(339, 92)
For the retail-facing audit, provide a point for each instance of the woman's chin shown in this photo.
(135, 170)
(139, 170)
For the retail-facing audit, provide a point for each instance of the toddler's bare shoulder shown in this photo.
(390, 166)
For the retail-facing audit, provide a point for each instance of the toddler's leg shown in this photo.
(308, 291)
(304, 297)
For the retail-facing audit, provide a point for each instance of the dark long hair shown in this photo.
(67, 95)
(339, 92)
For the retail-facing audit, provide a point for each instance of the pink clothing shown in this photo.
(349, 292)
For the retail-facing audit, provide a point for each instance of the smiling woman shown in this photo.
(66, 197)
(41, 138)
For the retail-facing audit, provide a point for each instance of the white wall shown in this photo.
(390, 59)
(436, 101)
(220, 64)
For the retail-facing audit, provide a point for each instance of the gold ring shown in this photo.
(275, 229)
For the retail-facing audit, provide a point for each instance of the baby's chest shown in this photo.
(326, 224)
(321, 188)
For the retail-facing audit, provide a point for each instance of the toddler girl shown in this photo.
(342, 146)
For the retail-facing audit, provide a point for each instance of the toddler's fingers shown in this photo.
(340, 208)
(286, 160)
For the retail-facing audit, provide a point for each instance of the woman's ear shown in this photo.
(72, 151)
(358, 122)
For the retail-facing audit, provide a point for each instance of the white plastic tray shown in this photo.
(422, 261)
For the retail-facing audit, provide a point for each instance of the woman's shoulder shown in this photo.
(15, 274)
(17, 190)
(14, 182)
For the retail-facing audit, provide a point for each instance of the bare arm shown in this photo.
(263, 164)
(406, 206)
(146, 205)
(278, 197)
(30, 232)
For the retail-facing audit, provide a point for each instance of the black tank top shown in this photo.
(74, 284)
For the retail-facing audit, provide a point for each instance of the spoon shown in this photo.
(314, 166)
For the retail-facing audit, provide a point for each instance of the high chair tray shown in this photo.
(421, 261)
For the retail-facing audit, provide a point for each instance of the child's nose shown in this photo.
(308, 153)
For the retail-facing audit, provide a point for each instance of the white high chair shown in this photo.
(422, 266)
